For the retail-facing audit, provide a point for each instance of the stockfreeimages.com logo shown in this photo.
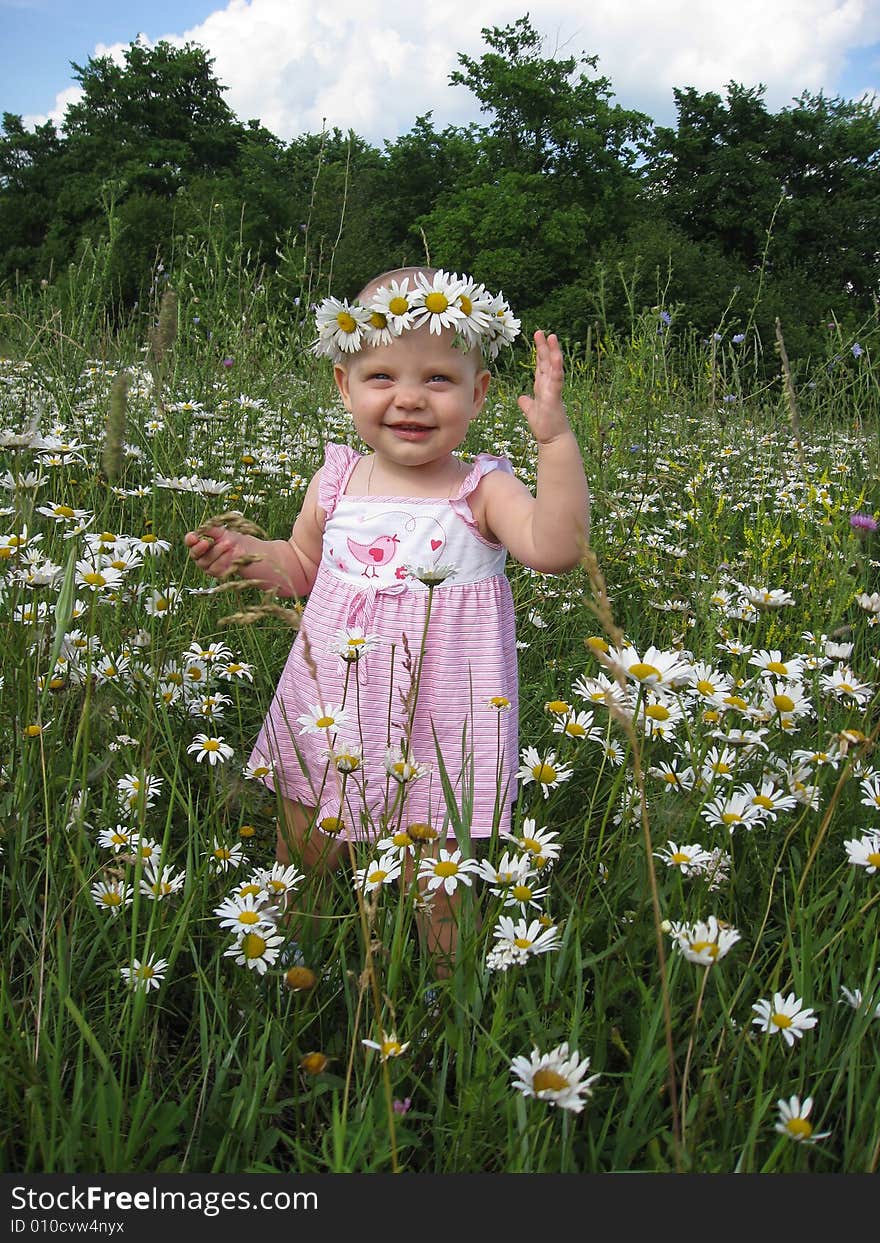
(98, 1199)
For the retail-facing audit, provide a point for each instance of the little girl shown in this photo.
(403, 675)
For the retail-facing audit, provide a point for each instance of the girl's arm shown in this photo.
(548, 531)
(287, 567)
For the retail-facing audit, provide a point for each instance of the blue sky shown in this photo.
(375, 65)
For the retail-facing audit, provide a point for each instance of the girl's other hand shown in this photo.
(214, 550)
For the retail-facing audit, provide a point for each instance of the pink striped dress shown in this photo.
(465, 716)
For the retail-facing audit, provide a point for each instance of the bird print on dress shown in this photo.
(380, 552)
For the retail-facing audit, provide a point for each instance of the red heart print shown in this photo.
(435, 544)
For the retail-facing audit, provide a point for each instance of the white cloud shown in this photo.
(375, 65)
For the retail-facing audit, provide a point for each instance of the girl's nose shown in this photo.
(409, 397)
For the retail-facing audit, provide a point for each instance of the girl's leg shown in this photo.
(300, 843)
(438, 924)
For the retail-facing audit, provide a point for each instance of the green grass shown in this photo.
(700, 487)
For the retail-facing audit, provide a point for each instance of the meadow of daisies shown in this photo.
(670, 965)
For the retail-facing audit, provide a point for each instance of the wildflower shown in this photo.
(215, 750)
(554, 1077)
(853, 997)
(870, 603)
(785, 1015)
(131, 788)
(300, 978)
(688, 859)
(843, 684)
(244, 913)
(160, 882)
(579, 725)
(655, 668)
(793, 1115)
(144, 975)
(400, 840)
(421, 832)
(768, 598)
(499, 703)
(347, 757)
(255, 950)
(704, 943)
(446, 871)
(731, 811)
(403, 768)
(863, 523)
(772, 665)
(235, 671)
(431, 575)
(871, 791)
(673, 777)
(96, 578)
(321, 717)
(353, 644)
(277, 881)
(256, 770)
(112, 896)
(388, 1046)
(864, 852)
(547, 772)
(159, 603)
(435, 301)
(314, 1063)
(768, 800)
(522, 894)
(540, 844)
(341, 326)
(378, 873)
(117, 839)
(223, 857)
(516, 943)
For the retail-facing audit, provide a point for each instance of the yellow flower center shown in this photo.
(465, 303)
(421, 832)
(398, 305)
(657, 712)
(94, 579)
(378, 320)
(705, 687)
(499, 701)
(377, 877)
(331, 824)
(33, 731)
(63, 511)
(522, 893)
(211, 744)
(547, 1080)
(436, 303)
(391, 1048)
(558, 707)
(776, 666)
(111, 898)
(783, 703)
(448, 867)
(248, 917)
(730, 817)
(545, 773)
(522, 943)
(401, 839)
(799, 1128)
(222, 852)
(734, 701)
(705, 947)
(246, 830)
(253, 945)
(642, 671)
(874, 858)
(597, 643)
(347, 323)
(761, 800)
(149, 539)
(679, 856)
(575, 730)
(145, 971)
(780, 1020)
(249, 891)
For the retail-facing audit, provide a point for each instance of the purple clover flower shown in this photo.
(866, 523)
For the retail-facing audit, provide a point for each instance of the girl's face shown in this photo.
(412, 401)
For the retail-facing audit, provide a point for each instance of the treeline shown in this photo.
(581, 211)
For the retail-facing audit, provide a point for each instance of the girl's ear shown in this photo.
(481, 388)
(340, 375)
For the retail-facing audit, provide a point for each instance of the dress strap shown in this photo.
(339, 462)
(484, 464)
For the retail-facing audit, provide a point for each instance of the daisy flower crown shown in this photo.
(444, 300)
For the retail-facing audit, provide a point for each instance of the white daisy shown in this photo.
(112, 896)
(388, 1046)
(546, 771)
(555, 1077)
(378, 872)
(144, 976)
(786, 1015)
(321, 717)
(256, 950)
(245, 913)
(689, 859)
(704, 943)
(214, 750)
(792, 1121)
(447, 871)
(864, 852)
(435, 301)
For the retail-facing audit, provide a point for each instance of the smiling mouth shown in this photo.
(409, 427)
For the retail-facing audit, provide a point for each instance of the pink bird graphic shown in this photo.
(380, 552)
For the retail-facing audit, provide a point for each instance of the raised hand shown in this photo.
(545, 411)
